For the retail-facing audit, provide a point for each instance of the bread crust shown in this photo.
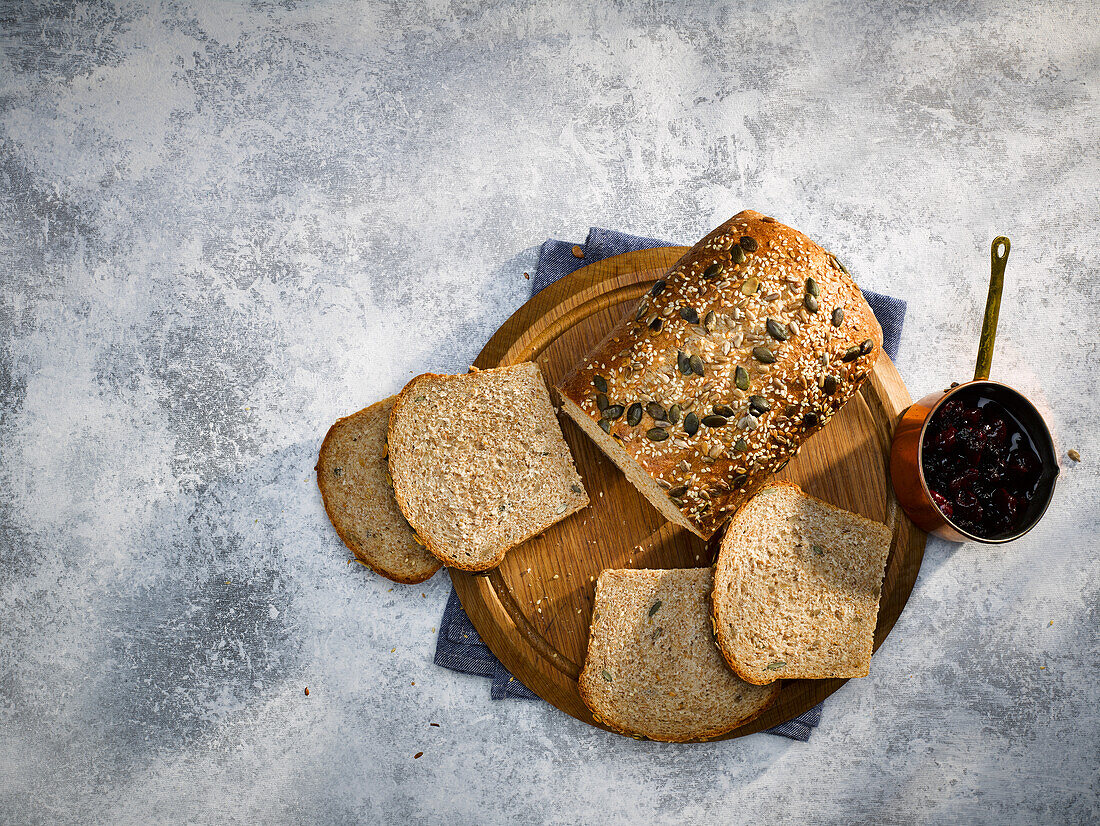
(805, 386)
(326, 484)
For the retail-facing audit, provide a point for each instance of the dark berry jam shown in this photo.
(980, 464)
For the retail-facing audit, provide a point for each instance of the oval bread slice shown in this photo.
(797, 587)
(353, 476)
(653, 669)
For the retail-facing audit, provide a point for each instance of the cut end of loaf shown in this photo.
(634, 472)
(797, 588)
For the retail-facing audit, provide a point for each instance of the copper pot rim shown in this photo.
(1049, 460)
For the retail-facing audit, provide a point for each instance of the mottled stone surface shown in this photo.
(222, 226)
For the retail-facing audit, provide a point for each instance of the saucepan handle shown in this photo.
(998, 254)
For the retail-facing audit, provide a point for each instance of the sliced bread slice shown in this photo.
(479, 463)
(653, 669)
(353, 475)
(797, 587)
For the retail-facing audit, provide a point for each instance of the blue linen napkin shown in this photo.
(458, 646)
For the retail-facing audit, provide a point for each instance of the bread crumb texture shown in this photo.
(653, 669)
(479, 463)
(797, 588)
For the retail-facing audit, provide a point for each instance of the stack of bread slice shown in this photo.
(455, 471)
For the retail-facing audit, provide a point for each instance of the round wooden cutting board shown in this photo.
(534, 610)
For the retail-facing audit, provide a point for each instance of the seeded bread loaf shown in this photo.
(797, 587)
(653, 669)
(353, 475)
(747, 346)
(479, 463)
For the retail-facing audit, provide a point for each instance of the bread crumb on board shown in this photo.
(1074, 455)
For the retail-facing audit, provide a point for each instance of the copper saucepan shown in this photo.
(907, 454)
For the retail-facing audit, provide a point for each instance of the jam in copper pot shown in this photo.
(980, 464)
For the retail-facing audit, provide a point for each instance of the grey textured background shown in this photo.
(222, 226)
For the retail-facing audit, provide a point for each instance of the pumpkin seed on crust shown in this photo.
(777, 330)
(760, 403)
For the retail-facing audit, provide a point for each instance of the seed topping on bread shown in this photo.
(728, 337)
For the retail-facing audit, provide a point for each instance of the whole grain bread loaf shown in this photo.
(797, 587)
(479, 463)
(653, 669)
(748, 345)
(353, 475)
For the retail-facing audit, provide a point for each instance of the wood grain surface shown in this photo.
(534, 610)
